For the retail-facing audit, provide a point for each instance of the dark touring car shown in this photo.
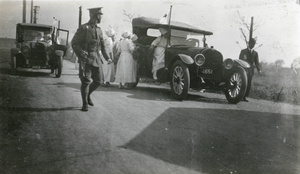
(189, 63)
(39, 46)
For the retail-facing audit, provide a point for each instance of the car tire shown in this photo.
(237, 86)
(59, 67)
(133, 85)
(13, 65)
(179, 80)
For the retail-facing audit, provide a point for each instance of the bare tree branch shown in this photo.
(238, 44)
(243, 22)
(260, 45)
(245, 37)
(245, 28)
(129, 16)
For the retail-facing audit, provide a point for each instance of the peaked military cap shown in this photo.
(97, 10)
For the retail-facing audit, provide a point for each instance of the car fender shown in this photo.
(14, 51)
(186, 59)
(241, 63)
(236, 65)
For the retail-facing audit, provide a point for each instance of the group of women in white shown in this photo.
(124, 71)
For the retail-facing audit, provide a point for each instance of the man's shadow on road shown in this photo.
(29, 73)
(32, 109)
(149, 92)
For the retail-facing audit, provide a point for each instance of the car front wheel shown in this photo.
(180, 80)
(133, 85)
(237, 86)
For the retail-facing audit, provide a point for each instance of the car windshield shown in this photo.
(35, 35)
(179, 37)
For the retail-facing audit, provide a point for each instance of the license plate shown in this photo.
(207, 71)
(36, 67)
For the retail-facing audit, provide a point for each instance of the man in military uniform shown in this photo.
(251, 56)
(87, 43)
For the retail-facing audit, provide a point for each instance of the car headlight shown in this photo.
(199, 59)
(25, 50)
(228, 63)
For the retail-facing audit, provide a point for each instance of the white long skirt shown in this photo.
(108, 72)
(158, 59)
(126, 68)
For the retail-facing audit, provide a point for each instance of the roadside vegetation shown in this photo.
(276, 83)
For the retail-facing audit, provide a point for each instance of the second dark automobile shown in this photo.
(189, 63)
(39, 46)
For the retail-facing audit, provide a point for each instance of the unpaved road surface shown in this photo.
(138, 131)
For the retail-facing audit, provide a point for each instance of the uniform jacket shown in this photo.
(251, 58)
(89, 38)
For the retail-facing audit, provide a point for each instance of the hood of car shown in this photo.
(188, 50)
(213, 57)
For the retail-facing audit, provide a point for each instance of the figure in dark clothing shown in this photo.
(251, 56)
(87, 43)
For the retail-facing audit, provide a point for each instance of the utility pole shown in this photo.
(24, 11)
(80, 14)
(169, 26)
(79, 23)
(35, 12)
(31, 11)
(251, 29)
(58, 27)
(56, 21)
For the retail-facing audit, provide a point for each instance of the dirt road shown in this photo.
(139, 131)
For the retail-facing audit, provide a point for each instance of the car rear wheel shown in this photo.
(13, 65)
(180, 80)
(237, 86)
(133, 85)
(58, 70)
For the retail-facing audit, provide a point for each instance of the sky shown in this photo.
(277, 22)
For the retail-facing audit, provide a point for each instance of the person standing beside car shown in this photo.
(251, 56)
(127, 66)
(158, 47)
(87, 43)
(109, 69)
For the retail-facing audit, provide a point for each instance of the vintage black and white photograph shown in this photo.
(150, 87)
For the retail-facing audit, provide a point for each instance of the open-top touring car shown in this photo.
(39, 46)
(189, 63)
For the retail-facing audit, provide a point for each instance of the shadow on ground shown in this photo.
(28, 73)
(6, 71)
(13, 117)
(222, 141)
(31, 109)
(148, 92)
